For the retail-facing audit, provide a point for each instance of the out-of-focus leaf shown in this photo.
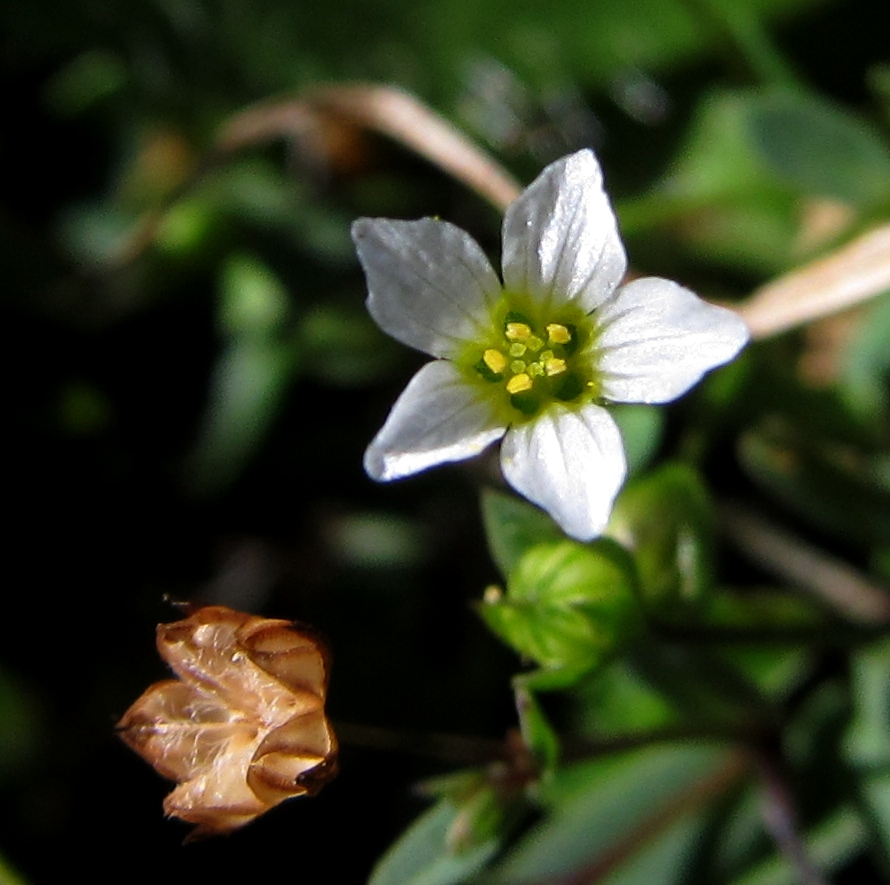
(187, 228)
(666, 859)
(829, 486)
(421, 855)
(94, 234)
(776, 672)
(568, 606)
(489, 801)
(642, 428)
(251, 375)
(738, 838)
(19, 736)
(8, 876)
(777, 667)
(247, 388)
(84, 410)
(92, 76)
(513, 526)
(609, 808)
(617, 701)
(813, 742)
(377, 540)
(756, 609)
(705, 688)
(342, 346)
(252, 299)
(665, 520)
(829, 846)
(864, 378)
(867, 744)
(868, 737)
(820, 148)
(733, 209)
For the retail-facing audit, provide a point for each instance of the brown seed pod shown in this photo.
(243, 728)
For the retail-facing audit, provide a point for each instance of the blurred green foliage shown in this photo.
(192, 378)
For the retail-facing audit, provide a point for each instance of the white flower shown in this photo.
(534, 359)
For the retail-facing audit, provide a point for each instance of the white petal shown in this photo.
(430, 285)
(561, 239)
(571, 463)
(658, 339)
(439, 417)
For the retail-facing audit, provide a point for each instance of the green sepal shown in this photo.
(568, 606)
(513, 526)
(665, 519)
(421, 855)
(537, 732)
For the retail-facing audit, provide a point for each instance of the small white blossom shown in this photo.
(537, 358)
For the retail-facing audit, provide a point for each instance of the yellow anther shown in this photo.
(517, 349)
(495, 361)
(557, 333)
(518, 331)
(519, 383)
(535, 343)
(517, 366)
(555, 367)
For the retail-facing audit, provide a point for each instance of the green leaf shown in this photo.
(513, 526)
(247, 388)
(665, 519)
(829, 485)
(666, 858)
(867, 743)
(614, 806)
(252, 299)
(8, 876)
(820, 148)
(868, 737)
(733, 209)
(830, 845)
(642, 428)
(342, 346)
(421, 855)
(874, 798)
(617, 701)
(864, 378)
(568, 606)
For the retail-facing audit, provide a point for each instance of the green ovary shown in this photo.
(536, 363)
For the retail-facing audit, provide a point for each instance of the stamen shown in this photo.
(517, 349)
(518, 331)
(495, 361)
(517, 366)
(535, 343)
(555, 367)
(536, 370)
(519, 383)
(558, 333)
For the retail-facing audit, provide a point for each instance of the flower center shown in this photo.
(534, 363)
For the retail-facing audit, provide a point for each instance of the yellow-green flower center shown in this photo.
(535, 363)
